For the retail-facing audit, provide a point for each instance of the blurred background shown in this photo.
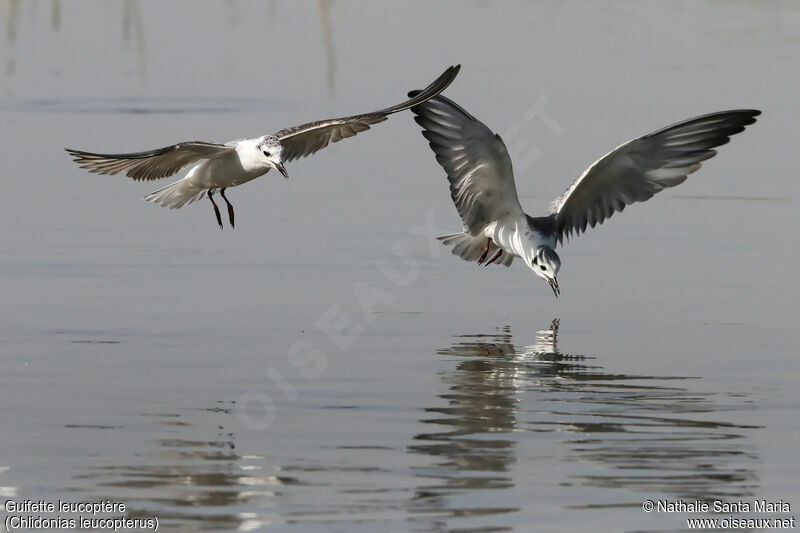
(236, 380)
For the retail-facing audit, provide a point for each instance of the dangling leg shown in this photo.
(230, 207)
(495, 257)
(216, 209)
(485, 251)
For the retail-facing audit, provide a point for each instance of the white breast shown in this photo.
(515, 236)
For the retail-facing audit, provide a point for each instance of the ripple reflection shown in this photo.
(646, 434)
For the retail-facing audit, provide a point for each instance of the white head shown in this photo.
(270, 150)
(545, 264)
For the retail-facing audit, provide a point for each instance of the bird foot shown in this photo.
(494, 258)
(485, 252)
(483, 255)
(230, 207)
(216, 209)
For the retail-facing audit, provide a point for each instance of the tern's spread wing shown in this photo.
(301, 141)
(150, 165)
(638, 169)
(475, 159)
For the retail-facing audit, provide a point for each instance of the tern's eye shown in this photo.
(266, 153)
(543, 267)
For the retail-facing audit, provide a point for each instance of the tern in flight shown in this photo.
(215, 167)
(482, 182)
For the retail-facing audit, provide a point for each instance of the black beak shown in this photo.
(554, 285)
(282, 170)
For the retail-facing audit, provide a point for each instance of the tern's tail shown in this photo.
(176, 194)
(473, 248)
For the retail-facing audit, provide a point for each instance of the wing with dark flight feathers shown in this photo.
(638, 169)
(150, 165)
(304, 140)
(475, 159)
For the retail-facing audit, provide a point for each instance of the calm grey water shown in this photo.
(236, 380)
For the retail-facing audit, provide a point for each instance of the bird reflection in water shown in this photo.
(648, 434)
(475, 450)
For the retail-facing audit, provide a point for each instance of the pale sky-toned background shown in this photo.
(130, 331)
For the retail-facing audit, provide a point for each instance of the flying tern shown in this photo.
(482, 186)
(216, 167)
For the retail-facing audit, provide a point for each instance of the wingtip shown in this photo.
(743, 111)
(749, 116)
(453, 72)
(76, 155)
(449, 74)
(752, 112)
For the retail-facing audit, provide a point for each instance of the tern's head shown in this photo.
(271, 150)
(545, 264)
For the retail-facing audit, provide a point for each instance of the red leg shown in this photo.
(216, 209)
(485, 251)
(230, 207)
(495, 257)
(483, 254)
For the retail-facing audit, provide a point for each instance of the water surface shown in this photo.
(235, 380)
